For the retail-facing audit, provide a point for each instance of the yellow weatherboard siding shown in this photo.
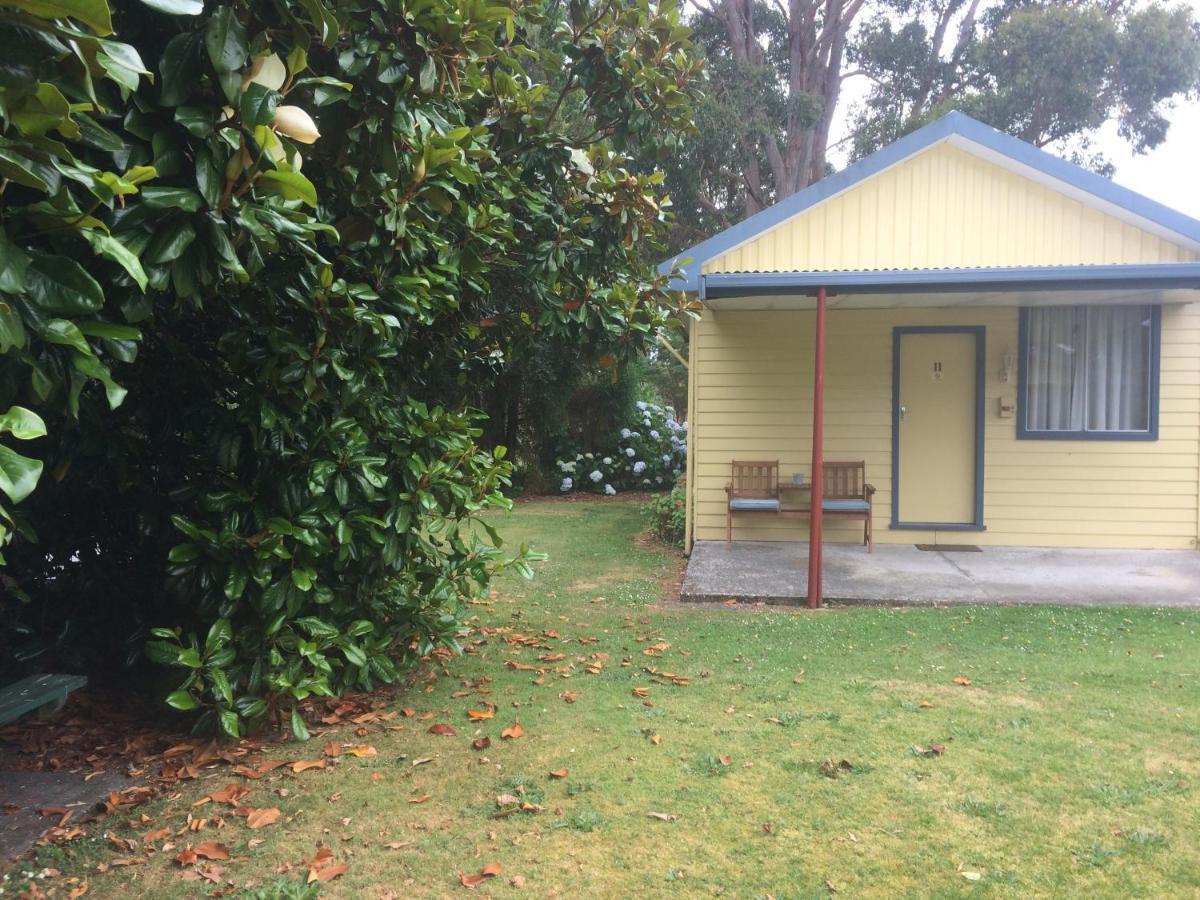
(752, 399)
(947, 208)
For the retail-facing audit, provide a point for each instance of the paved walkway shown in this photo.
(777, 572)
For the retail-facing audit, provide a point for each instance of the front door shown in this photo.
(937, 421)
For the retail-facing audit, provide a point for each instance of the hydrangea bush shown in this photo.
(649, 456)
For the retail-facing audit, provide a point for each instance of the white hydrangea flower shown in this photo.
(646, 481)
(566, 485)
(630, 452)
(639, 467)
(658, 478)
(642, 404)
(596, 475)
(625, 432)
(607, 460)
(654, 435)
(609, 490)
(666, 458)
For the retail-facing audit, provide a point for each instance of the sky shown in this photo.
(1170, 173)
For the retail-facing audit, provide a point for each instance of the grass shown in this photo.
(1071, 763)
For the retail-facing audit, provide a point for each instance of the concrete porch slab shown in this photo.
(777, 572)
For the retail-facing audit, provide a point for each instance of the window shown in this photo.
(1089, 372)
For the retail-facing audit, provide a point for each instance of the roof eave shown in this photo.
(1026, 278)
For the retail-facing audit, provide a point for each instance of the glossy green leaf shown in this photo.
(67, 333)
(18, 474)
(225, 40)
(258, 105)
(58, 285)
(299, 729)
(182, 700)
(115, 250)
(289, 185)
(23, 424)
(93, 13)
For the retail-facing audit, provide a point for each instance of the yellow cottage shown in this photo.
(1012, 347)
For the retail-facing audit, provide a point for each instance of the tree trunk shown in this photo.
(816, 34)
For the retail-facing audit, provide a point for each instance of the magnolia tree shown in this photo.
(254, 260)
(649, 456)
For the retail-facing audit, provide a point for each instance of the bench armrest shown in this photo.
(868, 490)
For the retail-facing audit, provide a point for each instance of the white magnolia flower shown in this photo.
(566, 485)
(296, 124)
(596, 475)
(269, 71)
(610, 490)
(630, 452)
(639, 467)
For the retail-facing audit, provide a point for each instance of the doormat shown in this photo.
(951, 548)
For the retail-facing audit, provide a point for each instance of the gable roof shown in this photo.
(977, 138)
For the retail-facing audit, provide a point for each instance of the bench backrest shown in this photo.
(845, 480)
(755, 478)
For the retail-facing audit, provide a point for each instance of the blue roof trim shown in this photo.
(953, 123)
(899, 281)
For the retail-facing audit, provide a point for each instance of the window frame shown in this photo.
(1151, 434)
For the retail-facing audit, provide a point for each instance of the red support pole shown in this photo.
(815, 517)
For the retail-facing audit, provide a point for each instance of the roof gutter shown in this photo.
(927, 281)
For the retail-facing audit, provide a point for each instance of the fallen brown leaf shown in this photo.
(443, 729)
(513, 731)
(559, 773)
(261, 818)
(212, 850)
(333, 748)
(962, 679)
(661, 816)
(481, 743)
(420, 799)
(491, 870)
(363, 752)
(303, 765)
(478, 715)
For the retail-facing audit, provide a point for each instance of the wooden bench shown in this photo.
(44, 693)
(754, 488)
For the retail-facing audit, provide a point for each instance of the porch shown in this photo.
(902, 574)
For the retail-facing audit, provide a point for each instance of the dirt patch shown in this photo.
(1159, 761)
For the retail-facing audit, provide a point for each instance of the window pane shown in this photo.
(1118, 352)
(1056, 368)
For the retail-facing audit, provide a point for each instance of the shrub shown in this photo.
(646, 457)
(295, 246)
(668, 514)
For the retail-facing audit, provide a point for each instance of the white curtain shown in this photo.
(1118, 368)
(1056, 371)
(1088, 368)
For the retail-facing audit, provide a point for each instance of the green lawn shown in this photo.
(1071, 761)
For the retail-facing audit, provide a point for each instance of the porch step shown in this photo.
(37, 692)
